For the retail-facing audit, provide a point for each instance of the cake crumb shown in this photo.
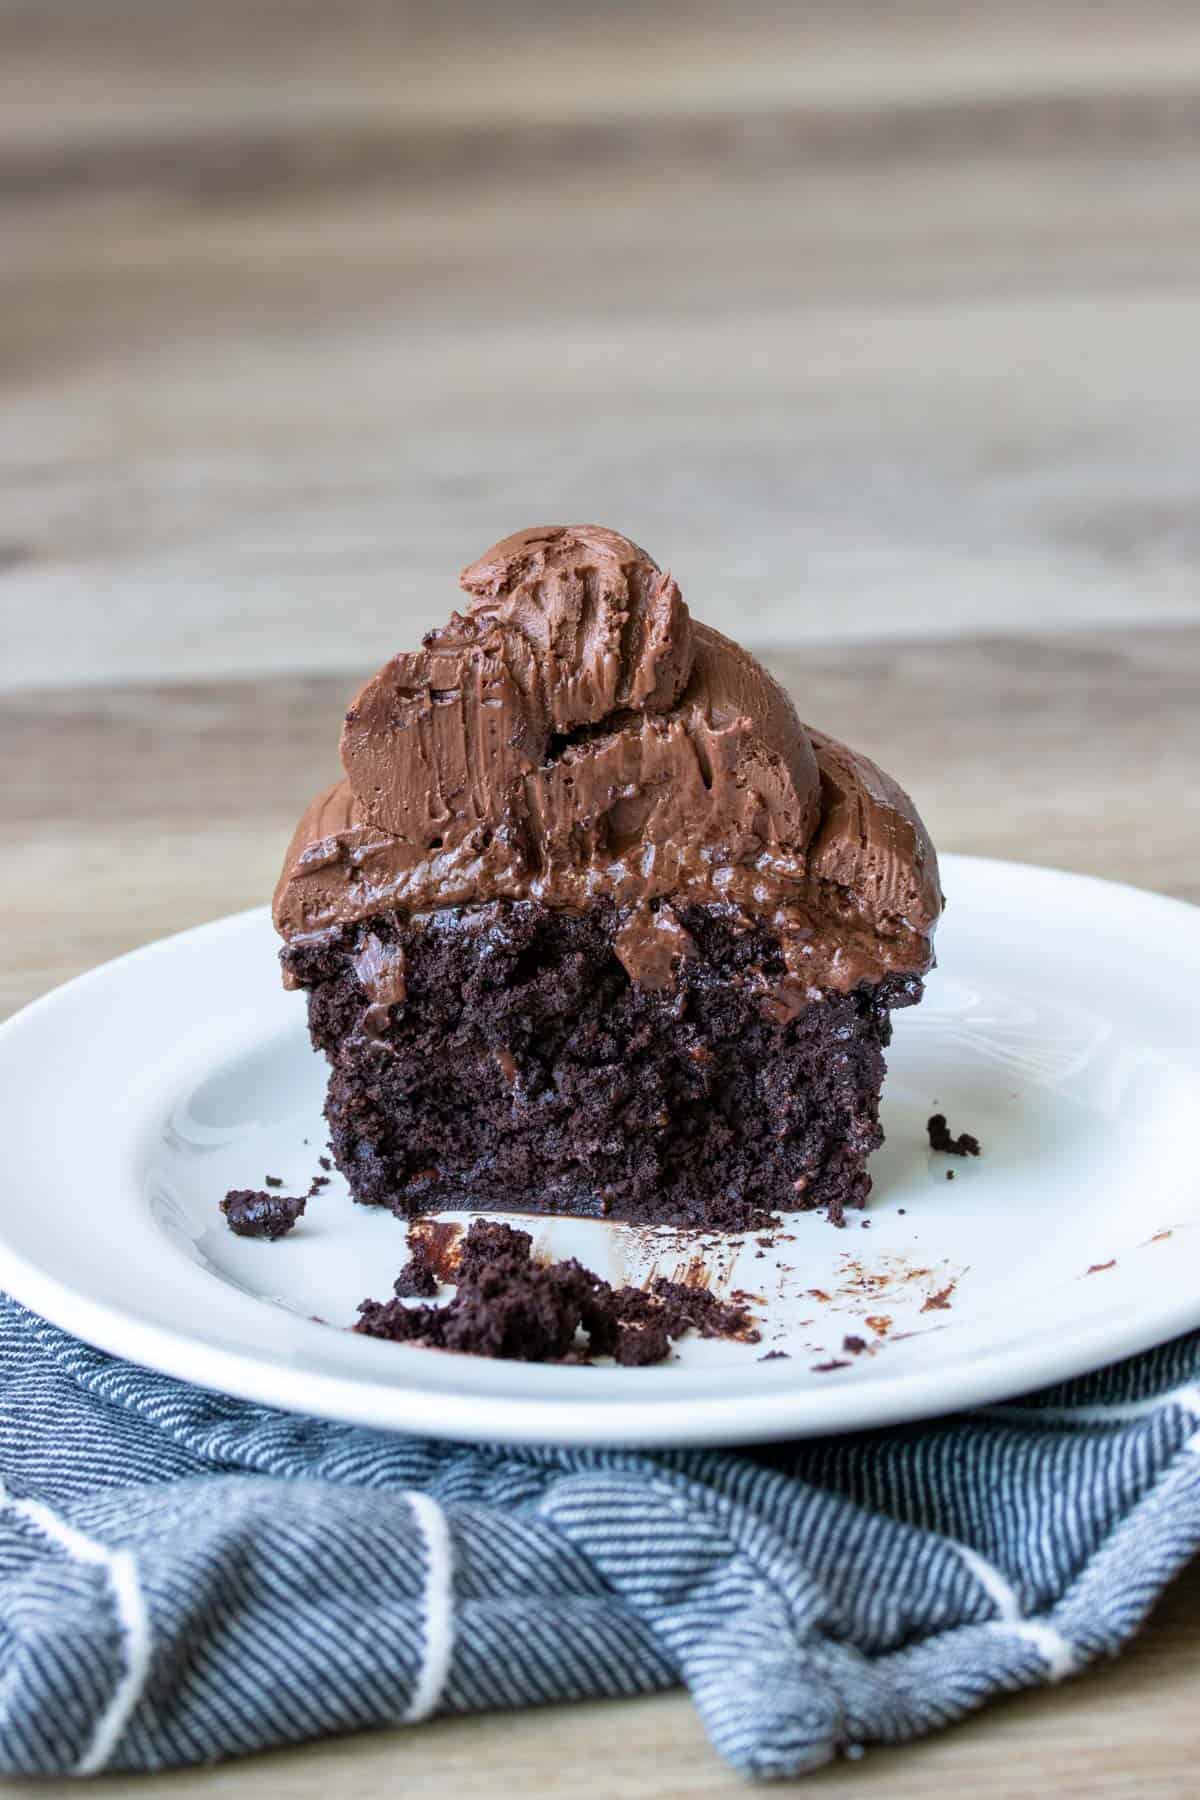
(510, 1305)
(1099, 1268)
(940, 1302)
(854, 1346)
(325, 1163)
(418, 1279)
(949, 1174)
(834, 1363)
(640, 1345)
(273, 1181)
(252, 1213)
(775, 1356)
(943, 1139)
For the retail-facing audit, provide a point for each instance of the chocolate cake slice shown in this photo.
(593, 924)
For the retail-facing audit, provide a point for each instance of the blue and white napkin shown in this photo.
(185, 1576)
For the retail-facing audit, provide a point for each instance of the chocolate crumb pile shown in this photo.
(942, 1138)
(509, 1306)
(252, 1212)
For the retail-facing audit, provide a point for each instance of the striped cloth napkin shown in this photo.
(185, 1576)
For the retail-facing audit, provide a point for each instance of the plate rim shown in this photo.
(777, 1409)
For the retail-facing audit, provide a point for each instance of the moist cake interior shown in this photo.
(594, 924)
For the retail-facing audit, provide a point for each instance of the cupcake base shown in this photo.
(498, 1057)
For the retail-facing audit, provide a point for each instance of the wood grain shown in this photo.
(133, 73)
(871, 321)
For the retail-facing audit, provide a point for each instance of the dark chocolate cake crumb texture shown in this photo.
(509, 1306)
(609, 1113)
(418, 1279)
(942, 1138)
(593, 921)
(273, 1181)
(251, 1212)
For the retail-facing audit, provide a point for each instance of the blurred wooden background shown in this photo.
(869, 318)
(877, 321)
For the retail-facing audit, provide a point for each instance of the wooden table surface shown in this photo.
(879, 323)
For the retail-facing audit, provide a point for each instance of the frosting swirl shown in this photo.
(576, 736)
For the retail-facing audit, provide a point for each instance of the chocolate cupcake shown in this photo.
(593, 924)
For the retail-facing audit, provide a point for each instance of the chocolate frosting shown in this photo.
(574, 736)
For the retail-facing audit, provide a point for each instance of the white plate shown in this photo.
(1060, 1028)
